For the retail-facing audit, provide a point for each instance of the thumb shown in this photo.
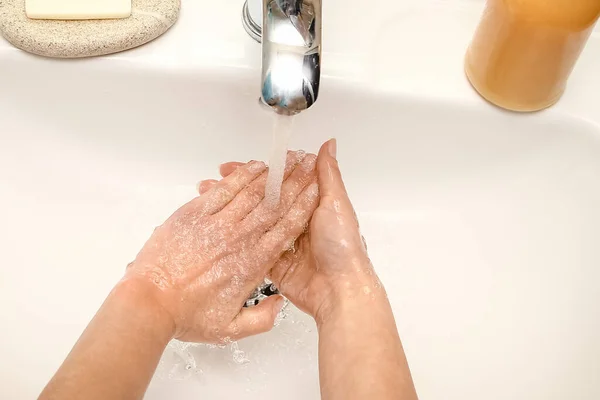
(258, 319)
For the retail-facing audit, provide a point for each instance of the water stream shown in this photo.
(282, 132)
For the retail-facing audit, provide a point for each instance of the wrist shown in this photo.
(352, 296)
(138, 298)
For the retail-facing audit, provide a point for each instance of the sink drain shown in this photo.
(266, 289)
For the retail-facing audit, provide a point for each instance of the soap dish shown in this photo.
(86, 38)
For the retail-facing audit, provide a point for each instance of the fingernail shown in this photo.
(332, 148)
(256, 166)
(309, 163)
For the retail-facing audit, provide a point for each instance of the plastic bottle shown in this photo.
(524, 50)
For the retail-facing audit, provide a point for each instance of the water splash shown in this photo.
(283, 313)
(293, 331)
(239, 356)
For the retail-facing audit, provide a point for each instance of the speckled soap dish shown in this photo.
(75, 39)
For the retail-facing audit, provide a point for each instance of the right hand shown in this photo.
(201, 265)
(329, 268)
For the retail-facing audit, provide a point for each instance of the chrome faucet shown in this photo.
(290, 31)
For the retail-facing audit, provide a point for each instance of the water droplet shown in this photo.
(239, 356)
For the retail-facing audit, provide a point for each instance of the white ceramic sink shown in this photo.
(483, 225)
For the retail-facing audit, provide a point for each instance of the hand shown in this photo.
(207, 258)
(329, 275)
(330, 264)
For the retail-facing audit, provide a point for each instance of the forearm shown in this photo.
(360, 353)
(118, 352)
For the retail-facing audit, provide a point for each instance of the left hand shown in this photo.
(329, 267)
(206, 259)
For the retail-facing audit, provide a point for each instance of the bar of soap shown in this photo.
(77, 9)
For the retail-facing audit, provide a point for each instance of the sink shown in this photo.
(482, 224)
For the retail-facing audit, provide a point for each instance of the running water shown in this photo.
(282, 132)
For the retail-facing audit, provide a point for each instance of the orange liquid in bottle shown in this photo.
(524, 50)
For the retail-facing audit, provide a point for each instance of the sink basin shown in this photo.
(482, 224)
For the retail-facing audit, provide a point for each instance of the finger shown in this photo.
(259, 256)
(205, 185)
(333, 191)
(258, 319)
(252, 195)
(281, 267)
(264, 216)
(282, 236)
(225, 190)
(330, 177)
(227, 168)
(292, 267)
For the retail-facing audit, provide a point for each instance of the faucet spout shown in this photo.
(291, 53)
(291, 66)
